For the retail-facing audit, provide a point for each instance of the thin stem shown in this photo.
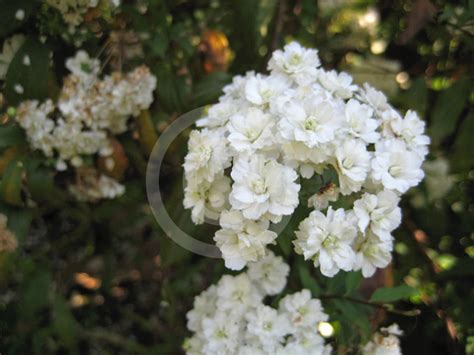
(410, 313)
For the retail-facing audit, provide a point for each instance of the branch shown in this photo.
(410, 313)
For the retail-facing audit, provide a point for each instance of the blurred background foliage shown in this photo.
(102, 278)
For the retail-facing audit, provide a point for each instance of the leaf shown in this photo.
(10, 135)
(36, 293)
(64, 323)
(10, 187)
(40, 184)
(355, 315)
(392, 294)
(308, 281)
(448, 107)
(10, 21)
(33, 79)
(210, 87)
(353, 280)
(19, 220)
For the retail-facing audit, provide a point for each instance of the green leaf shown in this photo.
(10, 15)
(448, 107)
(10, 187)
(392, 294)
(40, 184)
(19, 220)
(353, 280)
(35, 294)
(355, 315)
(65, 323)
(11, 134)
(209, 88)
(307, 280)
(33, 78)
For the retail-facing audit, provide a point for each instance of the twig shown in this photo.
(410, 313)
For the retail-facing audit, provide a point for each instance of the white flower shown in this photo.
(376, 99)
(327, 240)
(303, 312)
(260, 90)
(83, 66)
(327, 193)
(251, 130)
(218, 115)
(269, 273)
(221, 334)
(241, 240)
(206, 199)
(338, 84)
(396, 167)
(10, 47)
(204, 306)
(263, 186)
(378, 212)
(384, 342)
(266, 325)
(352, 165)
(297, 62)
(313, 121)
(360, 122)
(438, 181)
(236, 294)
(411, 130)
(309, 343)
(208, 154)
(372, 253)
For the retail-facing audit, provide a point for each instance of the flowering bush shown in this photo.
(304, 121)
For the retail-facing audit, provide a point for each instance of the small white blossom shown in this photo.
(339, 84)
(327, 240)
(269, 273)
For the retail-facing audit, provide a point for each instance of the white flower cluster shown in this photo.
(88, 109)
(73, 11)
(303, 120)
(87, 113)
(231, 318)
(384, 342)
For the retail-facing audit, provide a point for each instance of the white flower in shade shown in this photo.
(263, 186)
(206, 199)
(204, 306)
(266, 325)
(372, 253)
(396, 167)
(352, 165)
(438, 181)
(327, 193)
(338, 84)
(360, 122)
(303, 312)
(389, 119)
(235, 294)
(376, 99)
(218, 115)
(297, 62)
(260, 90)
(251, 350)
(10, 47)
(241, 240)
(269, 273)
(83, 66)
(327, 240)
(378, 212)
(384, 342)
(308, 343)
(221, 333)
(411, 129)
(208, 154)
(251, 130)
(193, 345)
(313, 121)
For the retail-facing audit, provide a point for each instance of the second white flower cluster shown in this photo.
(244, 163)
(231, 317)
